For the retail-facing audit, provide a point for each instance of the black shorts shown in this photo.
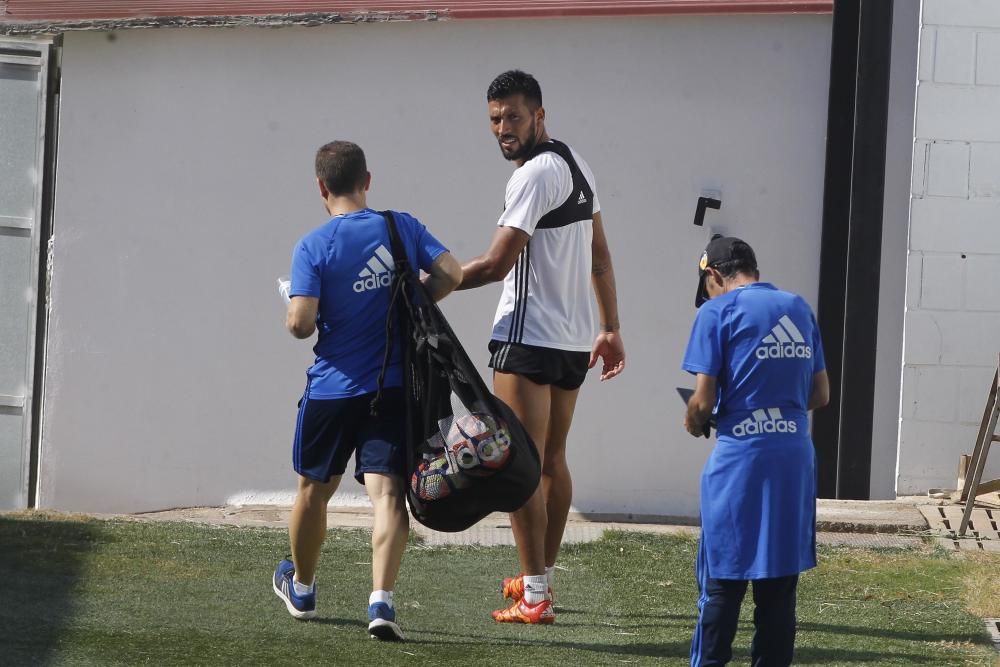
(541, 365)
(328, 431)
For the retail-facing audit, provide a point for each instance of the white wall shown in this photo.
(185, 179)
(895, 225)
(952, 303)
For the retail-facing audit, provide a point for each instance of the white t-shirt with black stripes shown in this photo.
(546, 298)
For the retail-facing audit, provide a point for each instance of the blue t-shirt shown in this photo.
(758, 487)
(763, 347)
(347, 263)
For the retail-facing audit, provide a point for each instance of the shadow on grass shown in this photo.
(647, 649)
(811, 655)
(804, 655)
(887, 634)
(41, 562)
(338, 622)
(668, 619)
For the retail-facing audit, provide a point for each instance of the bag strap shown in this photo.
(402, 268)
(399, 256)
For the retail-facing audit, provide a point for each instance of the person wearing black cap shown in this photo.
(758, 360)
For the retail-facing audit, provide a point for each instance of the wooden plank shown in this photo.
(992, 486)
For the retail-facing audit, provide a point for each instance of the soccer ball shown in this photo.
(495, 449)
(430, 479)
(478, 443)
(435, 478)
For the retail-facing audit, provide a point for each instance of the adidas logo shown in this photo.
(784, 342)
(582, 199)
(377, 272)
(765, 421)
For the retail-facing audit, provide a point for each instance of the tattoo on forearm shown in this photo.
(600, 269)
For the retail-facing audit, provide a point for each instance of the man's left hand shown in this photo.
(611, 349)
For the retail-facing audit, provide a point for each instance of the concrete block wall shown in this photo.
(952, 322)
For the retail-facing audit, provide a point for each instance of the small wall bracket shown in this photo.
(703, 203)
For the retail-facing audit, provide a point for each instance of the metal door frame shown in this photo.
(850, 254)
(35, 51)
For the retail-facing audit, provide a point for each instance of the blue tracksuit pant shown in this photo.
(719, 611)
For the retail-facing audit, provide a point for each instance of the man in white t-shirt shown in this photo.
(549, 250)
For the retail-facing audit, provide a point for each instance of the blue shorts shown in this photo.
(328, 431)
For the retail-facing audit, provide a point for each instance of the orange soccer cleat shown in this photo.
(513, 588)
(522, 612)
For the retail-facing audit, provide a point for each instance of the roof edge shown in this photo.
(310, 19)
(481, 11)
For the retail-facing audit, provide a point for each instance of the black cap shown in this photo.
(720, 250)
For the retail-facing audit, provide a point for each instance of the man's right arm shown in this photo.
(497, 261)
(444, 275)
(700, 405)
(532, 191)
(301, 318)
(303, 292)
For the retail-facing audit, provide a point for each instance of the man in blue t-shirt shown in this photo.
(341, 272)
(758, 360)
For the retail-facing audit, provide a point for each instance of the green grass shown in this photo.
(88, 592)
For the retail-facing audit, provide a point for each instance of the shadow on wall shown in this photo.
(41, 563)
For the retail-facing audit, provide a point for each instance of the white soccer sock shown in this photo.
(300, 588)
(536, 587)
(550, 574)
(380, 596)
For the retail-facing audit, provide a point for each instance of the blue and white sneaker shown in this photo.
(300, 606)
(382, 622)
